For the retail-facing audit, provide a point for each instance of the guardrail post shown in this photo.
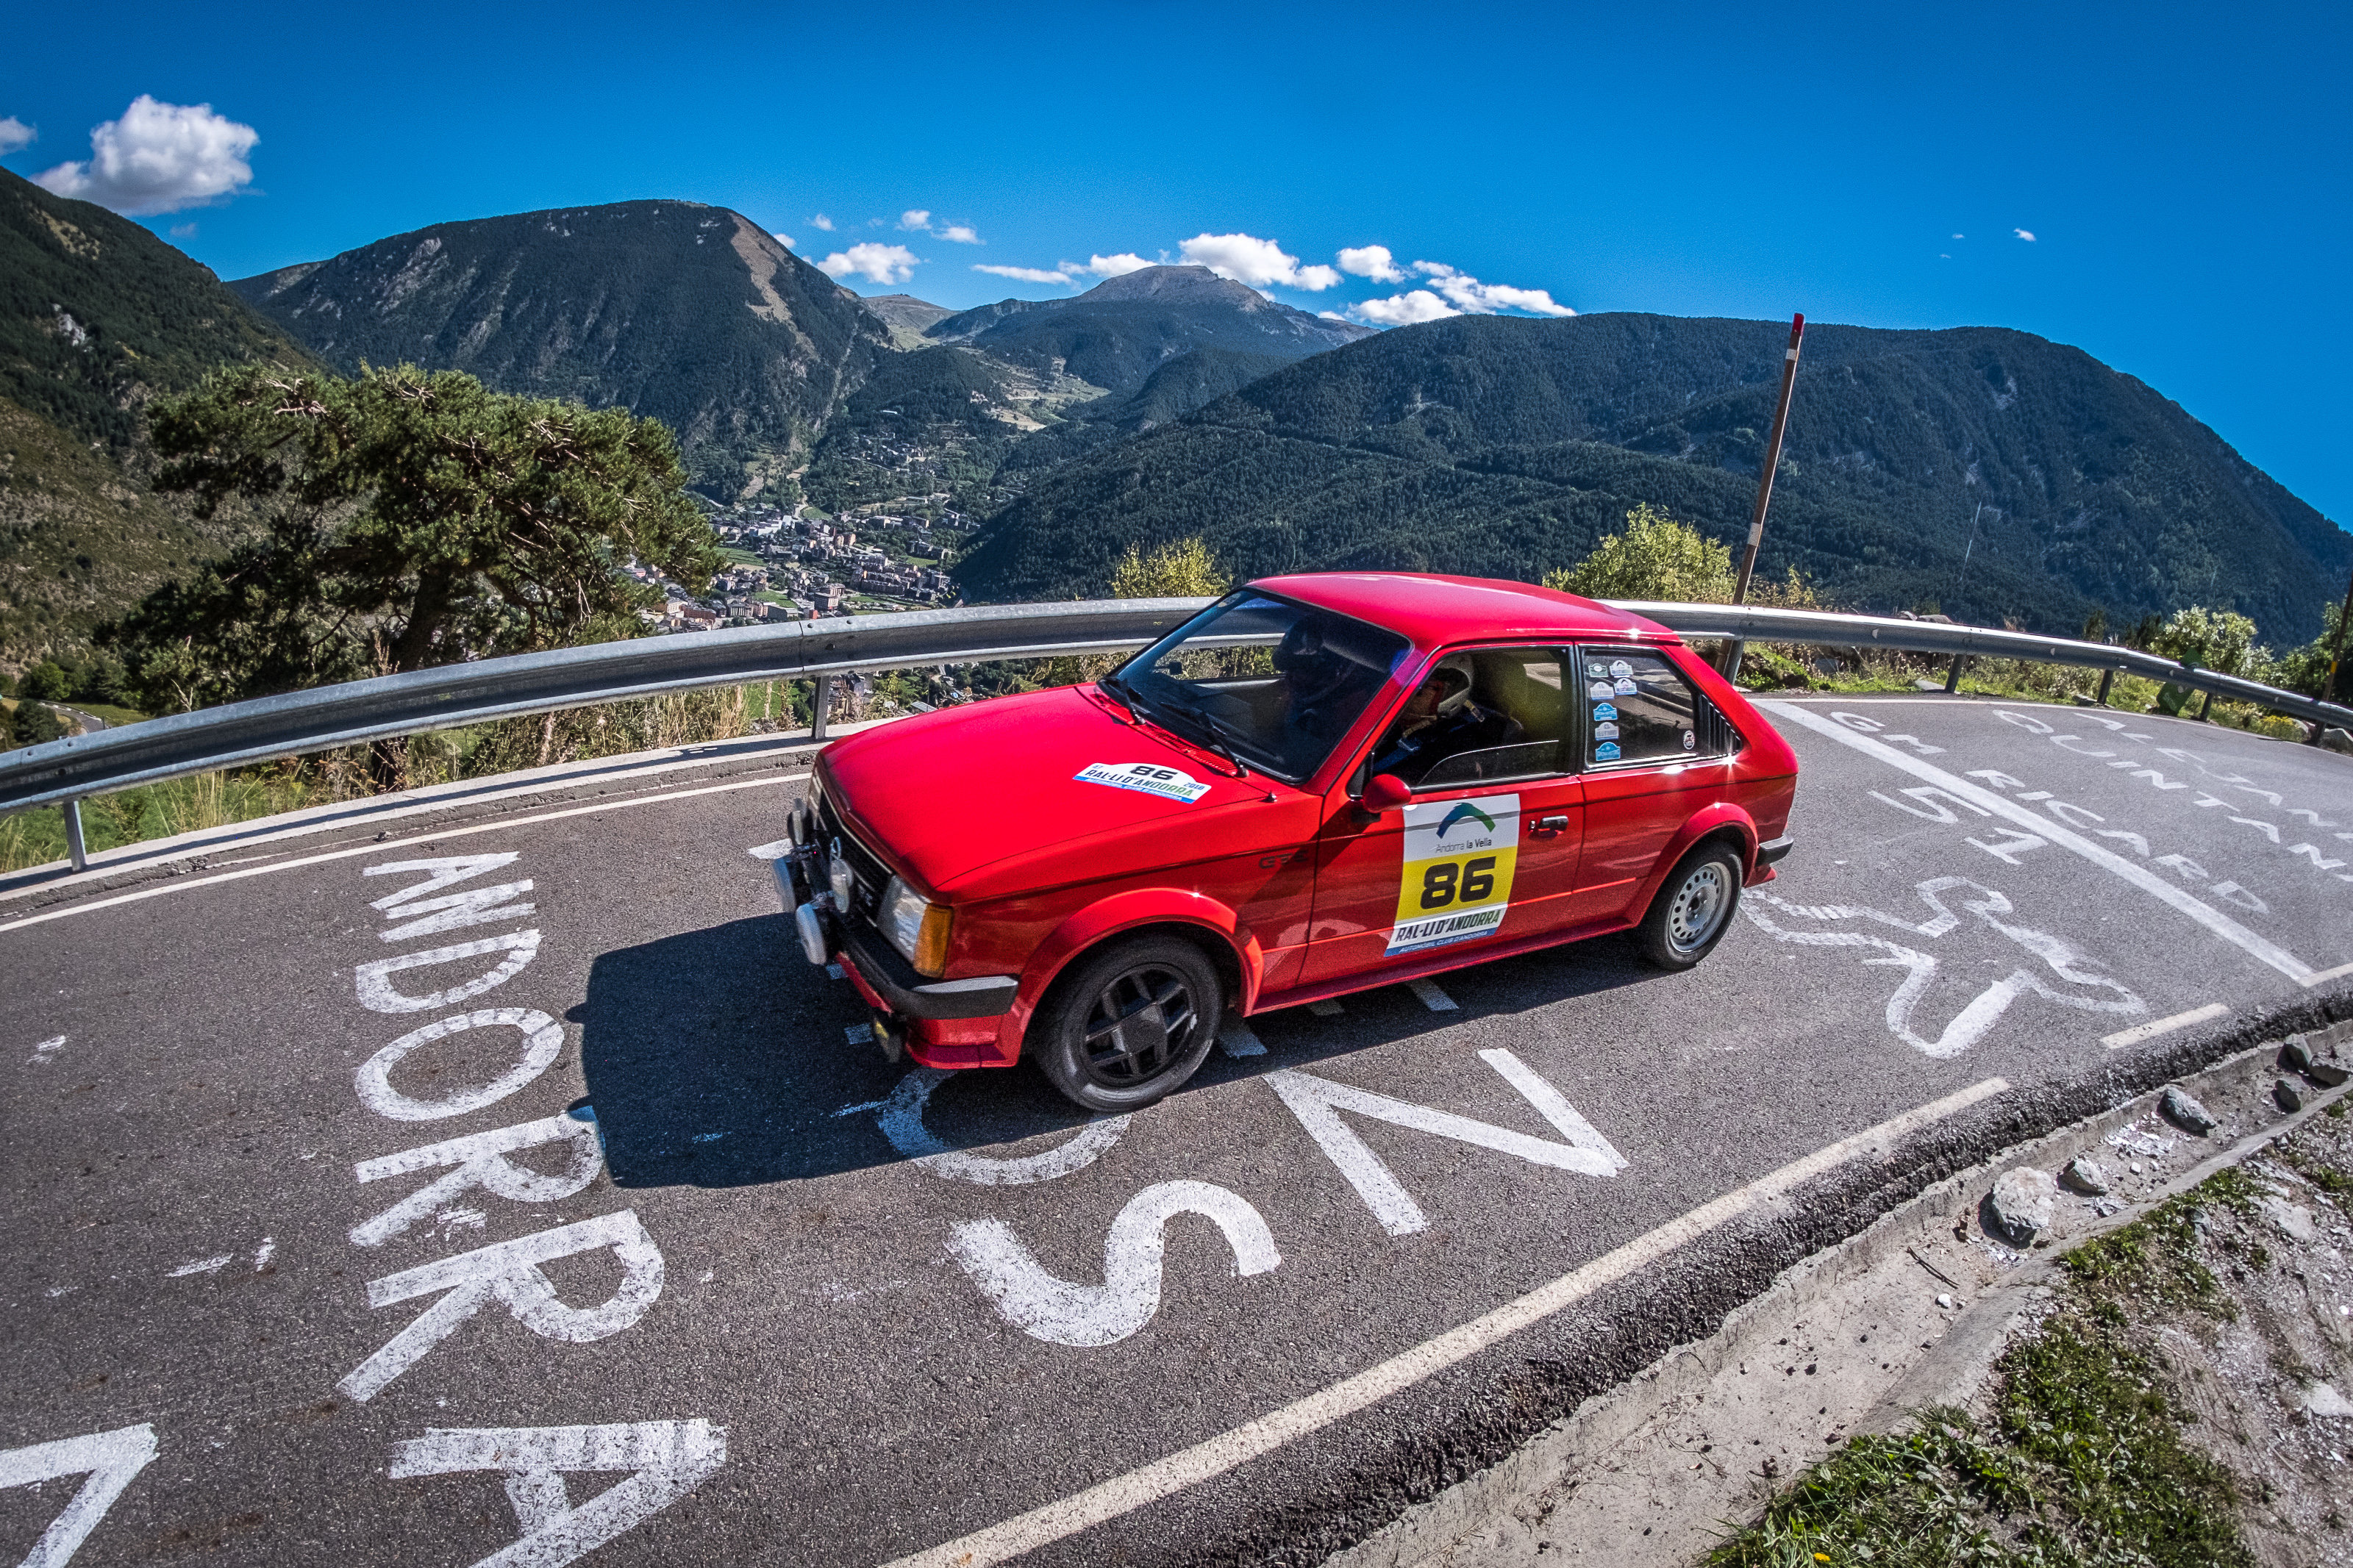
(1953, 676)
(75, 850)
(821, 700)
(2202, 707)
(2107, 678)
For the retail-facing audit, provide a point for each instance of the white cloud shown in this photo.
(1119, 266)
(183, 231)
(159, 158)
(1024, 274)
(1403, 310)
(961, 232)
(785, 240)
(14, 134)
(1467, 293)
(875, 263)
(1960, 237)
(1260, 263)
(914, 219)
(1331, 315)
(823, 222)
(2026, 235)
(1373, 261)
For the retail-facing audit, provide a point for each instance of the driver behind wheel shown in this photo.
(1316, 684)
(1441, 721)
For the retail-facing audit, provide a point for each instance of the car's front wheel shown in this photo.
(1693, 907)
(1130, 1023)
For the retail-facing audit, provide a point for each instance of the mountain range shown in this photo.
(692, 314)
(1991, 473)
(1994, 473)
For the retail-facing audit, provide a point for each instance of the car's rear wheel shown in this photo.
(1693, 907)
(1130, 1023)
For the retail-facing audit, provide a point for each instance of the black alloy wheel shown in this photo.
(1130, 1023)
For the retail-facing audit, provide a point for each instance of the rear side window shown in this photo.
(1638, 708)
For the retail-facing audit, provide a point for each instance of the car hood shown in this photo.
(945, 795)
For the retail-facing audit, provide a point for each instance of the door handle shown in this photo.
(1552, 825)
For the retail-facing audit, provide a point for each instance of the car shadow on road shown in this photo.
(719, 1057)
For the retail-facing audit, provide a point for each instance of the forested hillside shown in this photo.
(692, 314)
(97, 316)
(1507, 446)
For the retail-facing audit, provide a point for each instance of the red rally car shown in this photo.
(1320, 783)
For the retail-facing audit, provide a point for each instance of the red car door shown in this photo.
(1655, 751)
(1486, 853)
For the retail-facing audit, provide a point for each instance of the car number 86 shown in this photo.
(1444, 882)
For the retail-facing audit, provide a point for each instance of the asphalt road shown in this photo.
(643, 1256)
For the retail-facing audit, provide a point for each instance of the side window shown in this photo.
(1480, 716)
(1639, 709)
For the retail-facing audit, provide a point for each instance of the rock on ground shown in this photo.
(2023, 1201)
(2187, 1113)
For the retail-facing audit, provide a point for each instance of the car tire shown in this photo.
(1693, 907)
(1129, 1022)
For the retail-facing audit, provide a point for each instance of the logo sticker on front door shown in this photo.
(1457, 878)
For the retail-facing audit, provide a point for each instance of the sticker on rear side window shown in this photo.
(1605, 711)
(1147, 778)
(1459, 856)
(1600, 692)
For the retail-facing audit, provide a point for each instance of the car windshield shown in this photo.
(1272, 683)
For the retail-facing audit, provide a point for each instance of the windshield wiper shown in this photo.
(1216, 730)
(1122, 691)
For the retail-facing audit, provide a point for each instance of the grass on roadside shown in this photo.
(2082, 1462)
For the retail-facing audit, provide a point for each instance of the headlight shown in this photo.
(918, 930)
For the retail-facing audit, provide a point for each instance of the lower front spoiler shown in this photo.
(904, 992)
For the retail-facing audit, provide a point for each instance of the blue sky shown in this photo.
(2184, 174)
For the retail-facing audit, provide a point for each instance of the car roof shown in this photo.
(1432, 609)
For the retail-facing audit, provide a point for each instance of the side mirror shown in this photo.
(1385, 792)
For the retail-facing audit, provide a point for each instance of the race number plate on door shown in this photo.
(1457, 878)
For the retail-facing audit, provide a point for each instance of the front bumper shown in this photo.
(906, 993)
(893, 983)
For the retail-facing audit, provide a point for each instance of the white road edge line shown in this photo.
(1986, 800)
(2150, 1030)
(1205, 1461)
(182, 884)
(2325, 976)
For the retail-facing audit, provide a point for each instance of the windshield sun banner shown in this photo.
(1457, 881)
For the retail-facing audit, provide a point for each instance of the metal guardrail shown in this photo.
(1823, 629)
(65, 772)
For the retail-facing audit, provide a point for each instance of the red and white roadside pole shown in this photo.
(1765, 485)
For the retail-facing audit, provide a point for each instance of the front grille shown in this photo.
(865, 866)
